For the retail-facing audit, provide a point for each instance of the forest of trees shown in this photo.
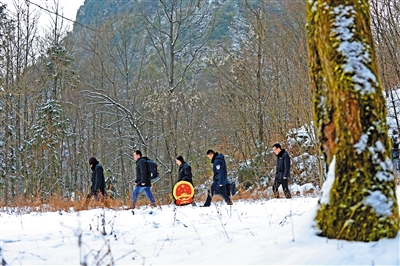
(172, 78)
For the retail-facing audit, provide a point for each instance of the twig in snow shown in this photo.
(222, 223)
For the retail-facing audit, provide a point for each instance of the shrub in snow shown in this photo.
(305, 166)
(303, 150)
(303, 190)
(393, 107)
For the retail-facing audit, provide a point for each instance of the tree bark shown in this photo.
(359, 199)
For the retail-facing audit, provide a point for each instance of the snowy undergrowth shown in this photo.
(276, 231)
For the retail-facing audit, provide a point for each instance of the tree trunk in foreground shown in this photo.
(358, 198)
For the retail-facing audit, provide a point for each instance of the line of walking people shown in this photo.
(142, 182)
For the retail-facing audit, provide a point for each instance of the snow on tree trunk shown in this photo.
(358, 199)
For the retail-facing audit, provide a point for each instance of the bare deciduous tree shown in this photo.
(385, 21)
(178, 31)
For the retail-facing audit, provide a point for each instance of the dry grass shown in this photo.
(56, 203)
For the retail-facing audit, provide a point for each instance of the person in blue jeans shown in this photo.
(142, 181)
(220, 178)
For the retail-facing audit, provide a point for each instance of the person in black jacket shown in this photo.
(282, 171)
(185, 171)
(142, 181)
(98, 188)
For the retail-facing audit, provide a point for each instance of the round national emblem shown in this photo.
(183, 193)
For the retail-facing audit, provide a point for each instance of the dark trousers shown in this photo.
(217, 190)
(284, 186)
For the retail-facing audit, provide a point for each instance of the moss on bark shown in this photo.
(350, 115)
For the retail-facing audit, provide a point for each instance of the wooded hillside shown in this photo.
(171, 78)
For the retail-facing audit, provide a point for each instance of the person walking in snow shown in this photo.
(184, 174)
(220, 178)
(185, 171)
(142, 181)
(98, 188)
(282, 171)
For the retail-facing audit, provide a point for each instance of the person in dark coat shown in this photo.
(142, 181)
(220, 178)
(185, 171)
(98, 182)
(282, 175)
(98, 187)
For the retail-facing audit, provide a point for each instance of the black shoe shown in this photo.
(229, 202)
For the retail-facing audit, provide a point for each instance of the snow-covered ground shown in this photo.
(266, 232)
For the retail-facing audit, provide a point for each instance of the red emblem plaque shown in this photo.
(183, 193)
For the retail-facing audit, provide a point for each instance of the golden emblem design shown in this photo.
(183, 193)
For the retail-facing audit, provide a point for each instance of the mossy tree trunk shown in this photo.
(358, 199)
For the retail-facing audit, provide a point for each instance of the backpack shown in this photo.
(152, 169)
(231, 188)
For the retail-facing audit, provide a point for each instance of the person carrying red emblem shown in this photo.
(183, 189)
